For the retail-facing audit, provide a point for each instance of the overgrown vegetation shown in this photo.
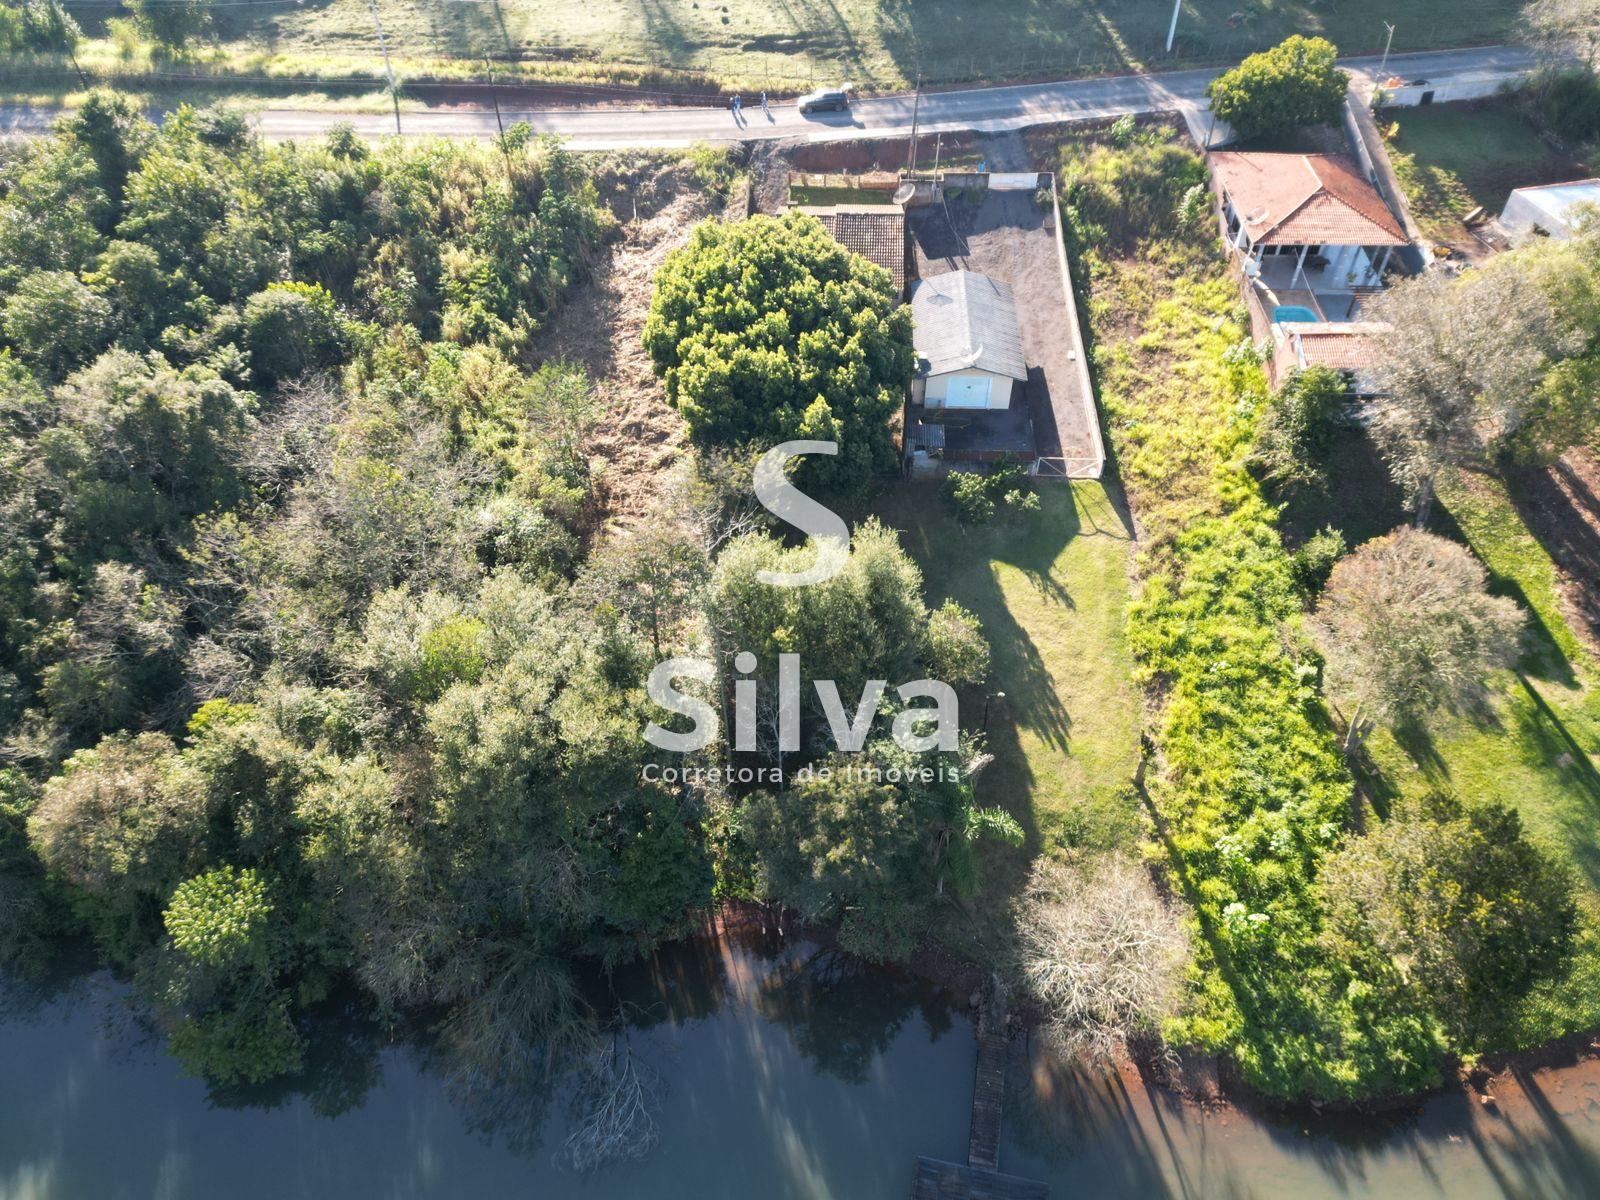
(319, 668)
(1251, 799)
(976, 499)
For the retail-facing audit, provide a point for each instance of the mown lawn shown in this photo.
(1051, 594)
(875, 43)
(1536, 748)
(1453, 158)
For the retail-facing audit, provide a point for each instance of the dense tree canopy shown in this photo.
(1453, 906)
(768, 330)
(1278, 90)
(318, 662)
(1466, 362)
(1409, 627)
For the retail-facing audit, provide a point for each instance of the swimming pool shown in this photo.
(1293, 313)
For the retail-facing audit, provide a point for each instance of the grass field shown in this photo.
(1453, 158)
(791, 44)
(1535, 748)
(1051, 594)
(1534, 751)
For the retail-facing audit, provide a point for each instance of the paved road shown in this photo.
(987, 109)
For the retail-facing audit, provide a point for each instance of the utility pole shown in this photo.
(394, 93)
(494, 94)
(72, 51)
(916, 107)
(1389, 41)
(1172, 30)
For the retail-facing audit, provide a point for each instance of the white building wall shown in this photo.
(938, 388)
(1469, 88)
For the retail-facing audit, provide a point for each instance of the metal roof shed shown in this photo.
(1557, 209)
(968, 340)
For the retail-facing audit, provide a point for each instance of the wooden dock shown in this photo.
(988, 1099)
(980, 1179)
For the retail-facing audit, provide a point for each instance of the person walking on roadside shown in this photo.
(736, 106)
(764, 111)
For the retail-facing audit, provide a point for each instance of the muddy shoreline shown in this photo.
(1501, 1087)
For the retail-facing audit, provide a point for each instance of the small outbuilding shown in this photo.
(968, 341)
(1353, 348)
(877, 232)
(1554, 210)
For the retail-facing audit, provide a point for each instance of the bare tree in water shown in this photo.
(618, 1098)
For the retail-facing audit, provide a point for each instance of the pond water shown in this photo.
(788, 1071)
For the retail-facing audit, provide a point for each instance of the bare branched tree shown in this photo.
(1463, 360)
(619, 1096)
(1104, 954)
(1408, 626)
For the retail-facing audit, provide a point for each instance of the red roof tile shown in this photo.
(877, 232)
(1341, 347)
(1305, 199)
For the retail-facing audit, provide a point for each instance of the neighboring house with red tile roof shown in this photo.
(877, 232)
(1312, 234)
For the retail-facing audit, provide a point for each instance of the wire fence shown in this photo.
(436, 56)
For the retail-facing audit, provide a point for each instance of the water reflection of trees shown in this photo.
(843, 1012)
(341, 1066)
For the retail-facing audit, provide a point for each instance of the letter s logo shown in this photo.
(782, 499)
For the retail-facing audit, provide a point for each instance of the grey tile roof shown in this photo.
(965, 320)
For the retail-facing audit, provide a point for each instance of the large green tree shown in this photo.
(1409, 627)
(768, 330)
(1278, 90)
(1453, 905)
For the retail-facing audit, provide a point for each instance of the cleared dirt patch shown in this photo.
(658, 202)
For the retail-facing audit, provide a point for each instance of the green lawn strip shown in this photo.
(1051, 593)
(1535, 749)
(1532, 752)
(1521, 568)
(838, 195)
(753, 43)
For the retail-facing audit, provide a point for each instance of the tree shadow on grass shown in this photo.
(1415, 738)
(1029, 729)
(1361, 500)
(954, 39)
(1559, 506)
